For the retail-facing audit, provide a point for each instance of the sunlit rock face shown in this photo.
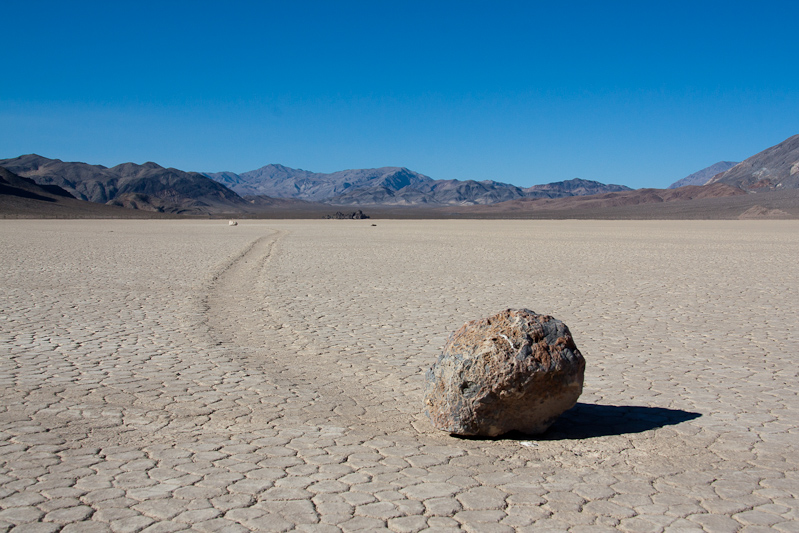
(516, 370)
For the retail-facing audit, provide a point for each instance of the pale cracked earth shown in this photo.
(183, 375)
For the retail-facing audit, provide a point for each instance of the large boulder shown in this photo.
(516, 370)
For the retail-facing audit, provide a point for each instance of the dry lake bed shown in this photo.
(189, 375)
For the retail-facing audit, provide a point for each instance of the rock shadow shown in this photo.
(585, 421)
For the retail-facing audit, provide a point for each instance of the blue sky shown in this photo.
(635, 93)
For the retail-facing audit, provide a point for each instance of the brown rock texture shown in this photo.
(758, 211)
(516, 370)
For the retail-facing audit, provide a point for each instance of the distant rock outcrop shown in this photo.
(704, 175)
(516, 370)
(772, 169)
(357, 215)
(758, 212)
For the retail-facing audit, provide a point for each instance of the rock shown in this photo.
(357, 215)
(758, 211)
(516, 370)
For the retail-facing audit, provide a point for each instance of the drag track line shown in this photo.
(310, 384)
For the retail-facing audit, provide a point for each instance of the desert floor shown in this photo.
(183, 375)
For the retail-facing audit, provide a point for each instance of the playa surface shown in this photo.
(181, 375)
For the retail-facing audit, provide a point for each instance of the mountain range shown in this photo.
(284, 182)
(169, 190)
(395, 186)
(765, 185)
(284, 191)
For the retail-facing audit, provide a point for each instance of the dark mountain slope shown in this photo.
(148, 186)
(83, 181)
(13, 185)
(23, 198)
(772, 169)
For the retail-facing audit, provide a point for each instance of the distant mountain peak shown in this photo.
(280, 181)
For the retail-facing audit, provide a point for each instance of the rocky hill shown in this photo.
(704, 175)
(22, 197)
(146, 187)
(574, 187)
(772, 169)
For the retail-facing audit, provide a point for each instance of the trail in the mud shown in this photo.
(313, 385)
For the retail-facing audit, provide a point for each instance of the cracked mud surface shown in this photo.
(190, 376)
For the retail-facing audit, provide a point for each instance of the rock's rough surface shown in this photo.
(516, 370)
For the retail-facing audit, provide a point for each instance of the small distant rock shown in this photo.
(357, 215)
(516, 370)
(232, 223)
(758, 212)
